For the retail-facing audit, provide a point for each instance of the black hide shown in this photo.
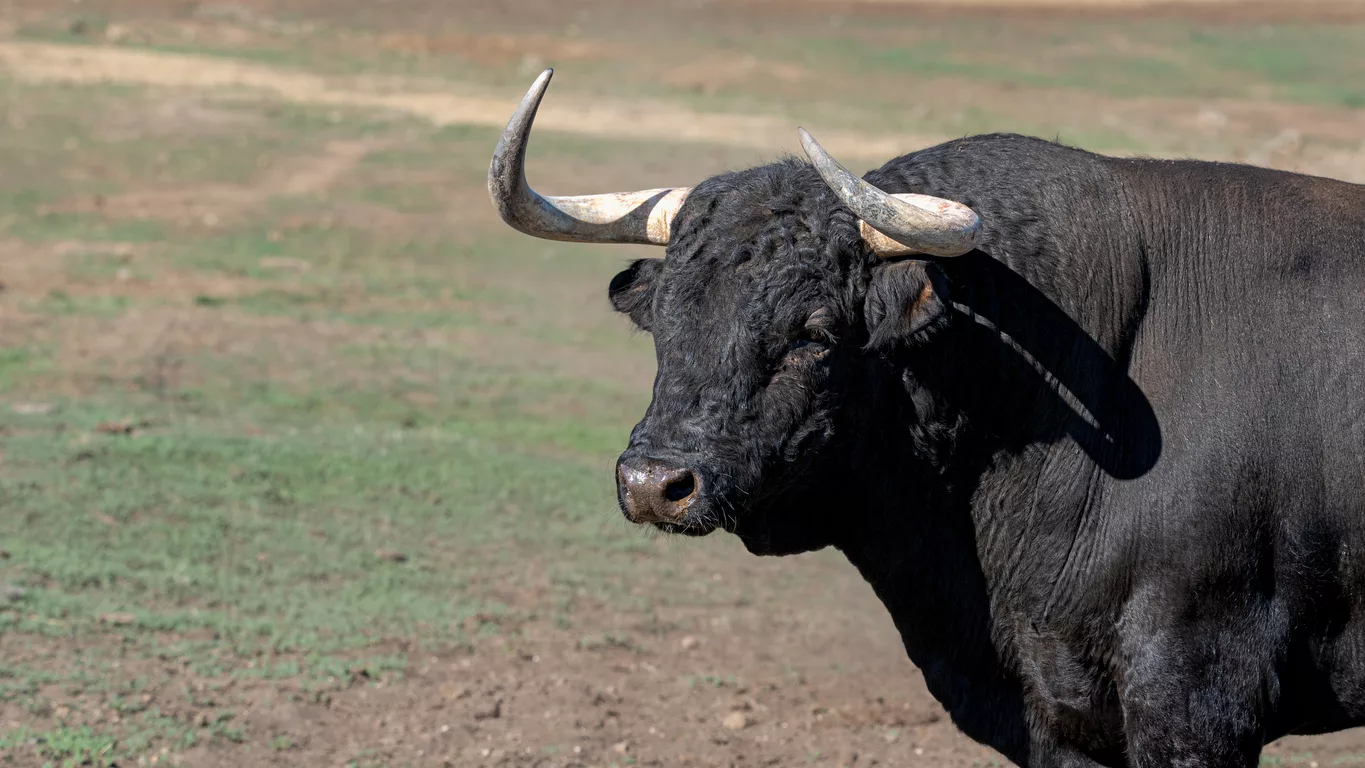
(1107, 472)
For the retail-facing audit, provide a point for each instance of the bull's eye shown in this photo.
(813, 341)
(810, 345)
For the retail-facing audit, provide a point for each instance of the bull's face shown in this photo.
(769, 315)
(757, 323)
(769, 295)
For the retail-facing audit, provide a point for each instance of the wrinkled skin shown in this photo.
(1105, 472)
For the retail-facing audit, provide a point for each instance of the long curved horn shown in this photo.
(902, 224)
(644, 217)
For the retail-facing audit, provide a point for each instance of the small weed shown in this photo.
(281, 743)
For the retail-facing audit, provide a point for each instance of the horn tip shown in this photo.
(817, 155)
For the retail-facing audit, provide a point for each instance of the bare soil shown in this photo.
(673, 687)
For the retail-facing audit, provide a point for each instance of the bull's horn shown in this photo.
(898, 225)
(621, 217)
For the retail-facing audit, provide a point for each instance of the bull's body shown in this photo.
(1186, 581)
(1105, 467)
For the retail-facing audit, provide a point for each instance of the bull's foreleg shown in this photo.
(1195, 693)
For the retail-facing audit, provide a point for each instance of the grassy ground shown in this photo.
(304, 458)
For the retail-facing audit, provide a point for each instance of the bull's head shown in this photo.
(762, 311)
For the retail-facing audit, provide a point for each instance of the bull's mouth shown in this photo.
(687, 528)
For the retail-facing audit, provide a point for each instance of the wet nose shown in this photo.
(654, 492)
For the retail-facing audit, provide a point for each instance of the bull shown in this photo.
(1092, 428)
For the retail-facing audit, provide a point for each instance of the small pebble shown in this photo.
(735, 721)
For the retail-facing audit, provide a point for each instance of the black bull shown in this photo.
(1106, 471)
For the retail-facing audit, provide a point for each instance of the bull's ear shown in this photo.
(906, 303)
(632, 290)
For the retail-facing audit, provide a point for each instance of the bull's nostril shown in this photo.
(681, 488)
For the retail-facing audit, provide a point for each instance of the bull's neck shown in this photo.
(1027, 376)
(1033, 372)
(914, 541)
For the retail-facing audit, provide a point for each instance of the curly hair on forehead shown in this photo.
(782, 210)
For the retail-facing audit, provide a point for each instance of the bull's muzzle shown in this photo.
(654, 492)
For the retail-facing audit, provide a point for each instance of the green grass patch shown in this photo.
(67, 746)
(85, 746)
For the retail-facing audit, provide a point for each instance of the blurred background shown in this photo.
(306, 459)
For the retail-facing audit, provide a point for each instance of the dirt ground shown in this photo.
(739, 686)
(787, 663)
